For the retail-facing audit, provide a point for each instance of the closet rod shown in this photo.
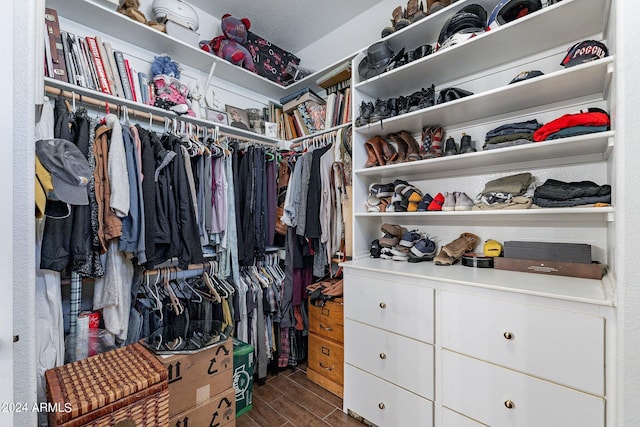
(58, 88)
(175, 273)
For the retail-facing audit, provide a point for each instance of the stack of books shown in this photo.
(304, 113)
(337, 84)
(91, 63)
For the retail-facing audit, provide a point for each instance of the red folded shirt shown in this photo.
(590, 118)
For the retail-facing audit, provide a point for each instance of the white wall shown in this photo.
(23, 239)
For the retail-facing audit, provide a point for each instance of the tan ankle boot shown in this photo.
(465, 243)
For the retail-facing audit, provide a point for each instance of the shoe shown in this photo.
(432, 142)
(385, 253)
(380, 111)
(393, 230)
(424, 249)
(450, 147)
(436, 203)
(388, 241)
(366, 109)
(443, 259)
(402, 147)
(400, 257)
(407, 191)
(381, 206)
(428, 97)
(463, 202)
(413, 148)
(435, 5)
(422, 51)
(424, 203)
(414, 11)
(449, 202)
(375, 156)
(403, 105)
(465, 243)
(382, 190)
(465, 145)
(409, 238)
(392, 106)
(400, 251)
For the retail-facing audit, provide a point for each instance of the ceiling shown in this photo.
(277, 20)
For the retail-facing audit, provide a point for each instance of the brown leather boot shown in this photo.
(376, 148)
(413, 148)
(388, 151)
(465, 243)
(401, 145)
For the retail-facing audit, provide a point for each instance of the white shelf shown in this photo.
(599, 214)
(587, 81)
(583, 148)
(155, 111)
(561, 287)
(570, 20)
(118, 26)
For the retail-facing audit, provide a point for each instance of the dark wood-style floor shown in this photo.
(288, 399)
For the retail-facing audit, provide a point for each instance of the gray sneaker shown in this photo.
(449, 202)
(463, 202)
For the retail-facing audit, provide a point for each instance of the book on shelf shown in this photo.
(72, 69)
(54, 41)
(346, 114)
(144, 86)
(124, 75)
(298, 120)
(337, 75)
(130, 77)
(117, 83)
(329, 117)
(90, 71)
(48, 63)
(101, 73)
(106, 65)
(137, 90)
(338, 86)
(81, 76)
(301, 96)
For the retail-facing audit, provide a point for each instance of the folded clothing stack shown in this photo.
(593, 120)
(507, 192)
(558, 194)
(511, 134)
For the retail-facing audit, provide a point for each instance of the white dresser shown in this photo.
(475, 347)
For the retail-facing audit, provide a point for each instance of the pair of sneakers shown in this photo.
(379, 197)
(457, 201)
(406, 197)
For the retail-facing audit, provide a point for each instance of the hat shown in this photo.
(525, 75)
(43, 188)
(510, 10)
(70, 171)
(584, 51)
(379, 55)
(472, 16)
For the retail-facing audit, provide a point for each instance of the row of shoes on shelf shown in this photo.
(400, 244)
(400, 147)
(371, 112)
(401, 196)
(415, 11)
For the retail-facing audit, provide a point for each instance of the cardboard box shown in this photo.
(563, 252)
(593, 270)
(218, 411)
(196, 377)
(243, 376)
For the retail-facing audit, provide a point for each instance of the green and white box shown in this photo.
(243, 376)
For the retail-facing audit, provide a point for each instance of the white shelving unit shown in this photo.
(472, 346)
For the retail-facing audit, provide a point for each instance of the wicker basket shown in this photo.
(127, 385)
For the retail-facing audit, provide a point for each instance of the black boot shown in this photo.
(366, 109)
(380, 111)
(450, 147)
(465, 145)
(392, 106)
(403, 105)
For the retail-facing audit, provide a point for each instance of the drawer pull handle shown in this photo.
(508, 335)
(509, 404)
(383, 356)
(326, 367)
(326, 328)
(383, 305)
(381, 405)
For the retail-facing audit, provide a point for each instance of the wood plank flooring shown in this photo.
(289, 399)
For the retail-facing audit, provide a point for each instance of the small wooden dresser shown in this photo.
(326, 346)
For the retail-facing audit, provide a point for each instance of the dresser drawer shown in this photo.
(403, 361)
(501, 397)
(453, 419)
(391, 305)
(561, 346)
(383, 403)
(328, 320)
(326, 357)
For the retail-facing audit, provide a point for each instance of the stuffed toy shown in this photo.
(131, 8)
(230, 45)
(170, 93)
(163, 64)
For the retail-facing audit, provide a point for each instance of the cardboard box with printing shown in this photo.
(219, 411)
(547, 251)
